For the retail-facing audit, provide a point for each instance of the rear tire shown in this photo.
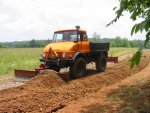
(101, 63)
(78, 68)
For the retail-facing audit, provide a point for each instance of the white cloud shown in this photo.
(37, 19)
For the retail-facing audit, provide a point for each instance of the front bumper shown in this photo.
(59, 63)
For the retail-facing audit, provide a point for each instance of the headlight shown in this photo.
(43, 55)
(63, 54)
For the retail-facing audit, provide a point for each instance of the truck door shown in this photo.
(83, 42)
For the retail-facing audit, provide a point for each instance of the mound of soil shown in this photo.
(47, 79)
(43, 94)
(37, 85)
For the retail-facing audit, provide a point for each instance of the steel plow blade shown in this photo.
(112, 59)
(23, 75)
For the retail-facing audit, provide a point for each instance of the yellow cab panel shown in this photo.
(68, 42)
(83, 42)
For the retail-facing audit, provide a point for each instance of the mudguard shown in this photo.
(79, 54)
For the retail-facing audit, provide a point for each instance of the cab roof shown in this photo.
(81, 30)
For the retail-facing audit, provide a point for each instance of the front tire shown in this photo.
(78, 68)
(101, 63)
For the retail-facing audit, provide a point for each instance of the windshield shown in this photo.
(65, 36)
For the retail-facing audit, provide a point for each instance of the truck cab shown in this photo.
(67, 42)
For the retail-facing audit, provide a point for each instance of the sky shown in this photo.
(38, 19)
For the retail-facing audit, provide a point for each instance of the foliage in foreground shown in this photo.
(137, 9)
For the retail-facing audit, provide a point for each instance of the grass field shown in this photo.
(28, 58)
(18, 58)
(120, 51)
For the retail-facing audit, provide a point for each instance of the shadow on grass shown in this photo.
(135, 99)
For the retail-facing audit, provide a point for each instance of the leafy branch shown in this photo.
(137, 9)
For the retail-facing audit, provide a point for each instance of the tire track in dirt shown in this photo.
(47, 96)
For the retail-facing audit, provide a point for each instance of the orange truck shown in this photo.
(71, 48)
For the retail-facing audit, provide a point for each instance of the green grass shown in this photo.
(18, 58)
(120, 51)
(135, 99)
(28, 58)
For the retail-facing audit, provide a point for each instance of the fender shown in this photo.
(79, 54)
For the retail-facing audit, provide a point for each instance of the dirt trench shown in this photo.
(49, 93)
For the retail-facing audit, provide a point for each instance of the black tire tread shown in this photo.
(101, 63)
(72, 70)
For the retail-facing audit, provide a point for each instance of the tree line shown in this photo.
(25, 44)
(114, 42)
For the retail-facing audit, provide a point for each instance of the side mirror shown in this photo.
(84, 37)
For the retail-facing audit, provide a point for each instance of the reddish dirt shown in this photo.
(47, 79)
(101, 100)
(49, 93)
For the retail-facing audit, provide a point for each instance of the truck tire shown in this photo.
(78, 68)
(101, 63)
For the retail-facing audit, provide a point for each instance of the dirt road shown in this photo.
(49, 93)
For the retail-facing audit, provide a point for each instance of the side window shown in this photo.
(83, 36)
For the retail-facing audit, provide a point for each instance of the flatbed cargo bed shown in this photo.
(99, 47)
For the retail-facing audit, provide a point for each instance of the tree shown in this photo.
(32, 43)
(118, 41)
(137, 9)
(112, 44)
(95, 35)
(125, 42)
(1, 46)
(136, 43)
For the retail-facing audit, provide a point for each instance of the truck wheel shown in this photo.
(101, 63)
(78, 68)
